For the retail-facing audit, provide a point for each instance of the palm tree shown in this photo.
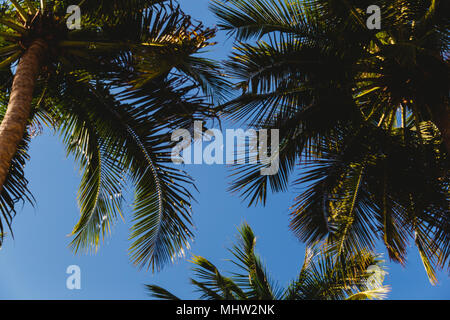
(112, 90)
(322, 277)
(366, 112)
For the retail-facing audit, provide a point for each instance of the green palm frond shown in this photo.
(254, 18)
(100, 193)
(372, 294)
(255, 279)
(160, 293)
(134, 64)
(127, 145)
(324, 276)
(347, 202)
(356, 110)
(214, 285)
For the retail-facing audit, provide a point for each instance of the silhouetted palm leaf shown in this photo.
(364, 113)
(323, 276)
(112, 90)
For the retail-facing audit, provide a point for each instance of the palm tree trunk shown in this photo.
(442, 121)
(18, 112)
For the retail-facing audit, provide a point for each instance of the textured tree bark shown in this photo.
(18, 112)
(442, 121)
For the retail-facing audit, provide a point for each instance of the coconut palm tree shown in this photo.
(112, 89)
(366, 112)
(322, 277)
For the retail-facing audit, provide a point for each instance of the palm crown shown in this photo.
(112, 90)
(322, 277)
(366, 112)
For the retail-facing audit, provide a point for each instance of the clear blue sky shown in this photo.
(33, 265)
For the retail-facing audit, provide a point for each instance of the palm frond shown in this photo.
(254, 18)
(212, 284)
(327, 276)
(255, 279)
(334, 89)
(160, 293)
(324, 275)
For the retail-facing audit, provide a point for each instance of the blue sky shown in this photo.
(33, 265)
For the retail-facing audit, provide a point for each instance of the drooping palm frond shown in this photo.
(116, 143)
(356, 193)
(160, 293)
(113, 90)
(323, 276)
(103, 173)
